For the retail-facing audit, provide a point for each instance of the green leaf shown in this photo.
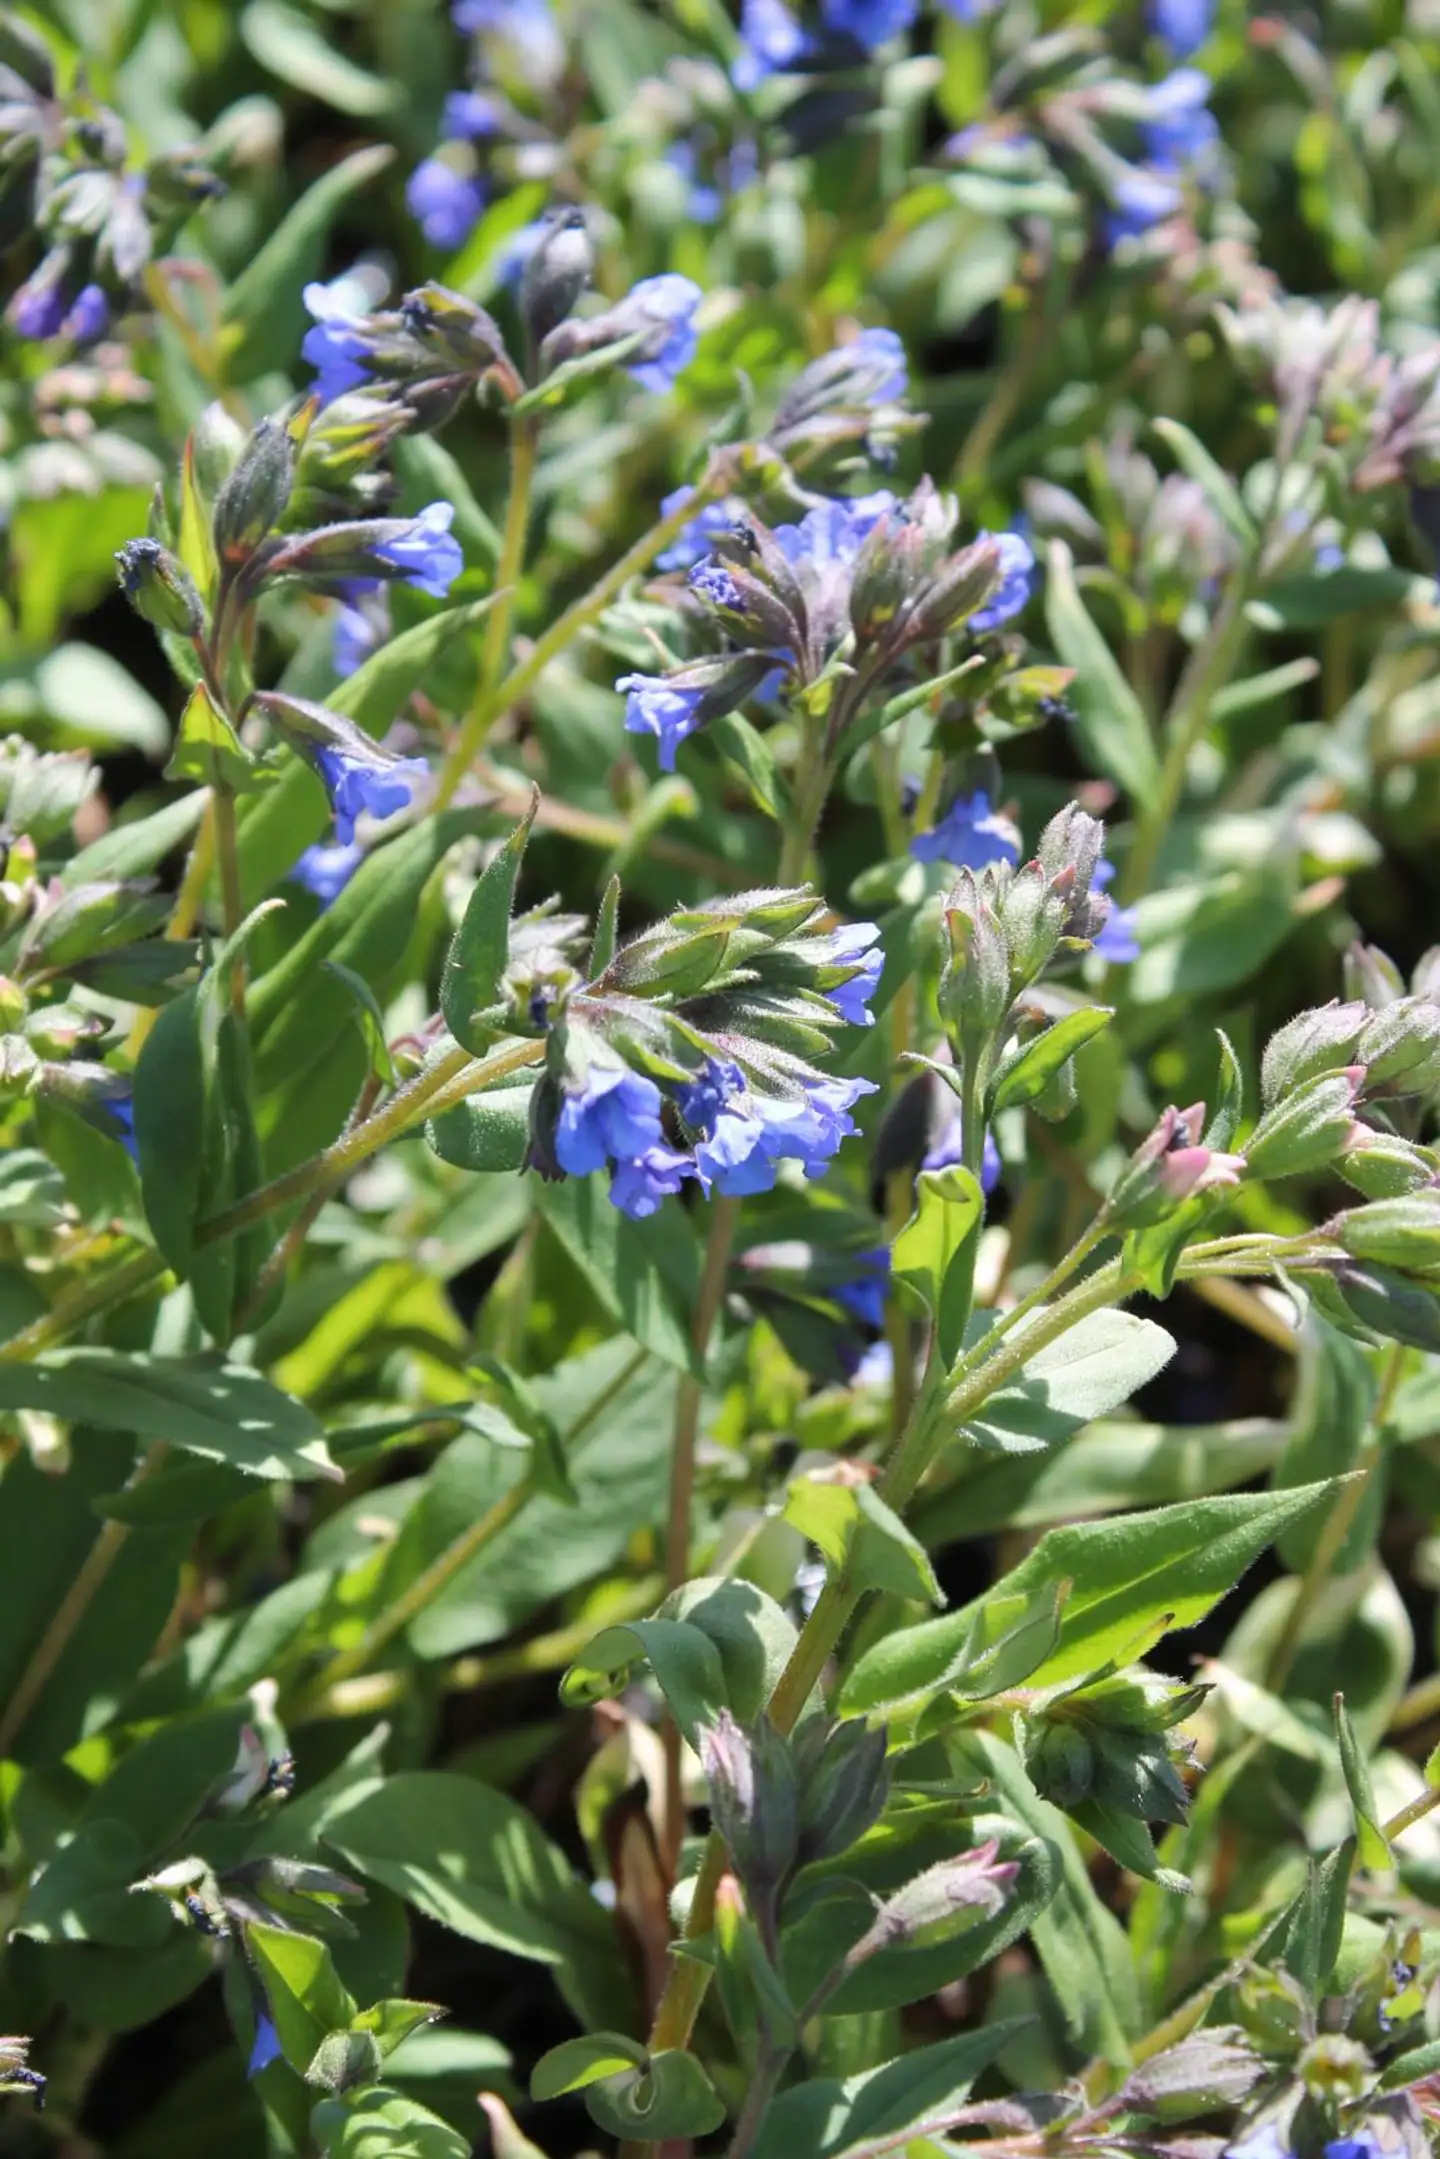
(207, 747)
(929, 1253)
(290, 46)
(1372, 1844)
(1081, 1944)
(645, 1274)
(1089, 1370)
(712, 1645)
(480, 948)
(1110, 720)
(302, 1988)
(671, 2098)
(473, 1860)
(378, 2123)
(862, 1538)
(1256, 690)
(208, 1407)
(139, 846)
(1128, 1842)
(743, 746)
(1313, 599)
(1317, 1920)
(1158, 1571)
(1027, 1075)
(170, 1094)
(1229, 1096)
(263, 310)
(32, 1191)
(602, 945)
(90, 698)
(880, 2110)
(1217, 487)
(578, 2062)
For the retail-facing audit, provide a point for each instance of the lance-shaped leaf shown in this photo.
(862, 1538)
(1025, 1075)
(929, 1254)
(1373, 1846)
(480, 947)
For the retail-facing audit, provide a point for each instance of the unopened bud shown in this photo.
(216, 444)
(957, 590)
(1403, 1233)
(1059, 1760)
(1311, 1044)
(557, 270)
(945, 1900)
(888, 574)
(1210, 2069)
(844, 1783)
(1033, 908)
(974, 994)
(160, 588)
(1384, 1166)
(1169, 1166)
(457, 332)
(57, 1030)
(1396, 1306)
(13, 1003)
(754, 1801)
(254, 497)
(1309, 1128)
(1400, 1048)
(1372, 977)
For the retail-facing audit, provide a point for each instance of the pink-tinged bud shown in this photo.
(1309, 1128)
(1198, 1169)
(1170, 1165)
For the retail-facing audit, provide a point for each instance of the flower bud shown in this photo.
(1169, 1166)
(558, 269)
(1309, 1045)
(943, 1901)
(160, 588)
(1384, 1166)
(747, 606)
(1403, 1233)
(1400, 1048)
(1210, 2069)
(753, 1798)
(55, 1030)
(844, 1783)
(1372, 977)
(974, 993)
(1273, 2008)
(13, 1004)
(19, 1066)
(1390, 1304)
(889, 570)
(1309, 1128)
(1058, 1760)
(958, 588)
(253, 499)
(1074, 841)
(1033, 908)
(216, 444)
(1336, 2067)
(452, 329)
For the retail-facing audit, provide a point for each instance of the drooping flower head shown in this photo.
(666, 306)
(969, 835)
(445, 202)
(654, 706)
(326, 870)
(422, 549)
(358, 784)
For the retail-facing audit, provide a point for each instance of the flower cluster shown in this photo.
(689, 1057)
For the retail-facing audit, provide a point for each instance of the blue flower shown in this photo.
(969, 835)
(864, 1294)
(1182, 24)
(1142, 198)
(119, 1110)
(772, 43)
(353, 640)
(1329, 556)
(614, 1114)
(1179, 128)
(870, 23)
(361, 781)
(656, 707)
(703, 1098)
(89, 316)
(639, 1182)
(667, 303)
(469, 116)
(267, 2047)
(748, 1139)
(713, 582)
(857, 942)
(885, 351)
(423, 551)
(699, 535)
(969, 10)
(1364, 2146)
(1117, 941)
(833, 533)
(948, 1148)
(1012, 595)
(338, 347)
(445, 203)
(38, 309)
(327, 870)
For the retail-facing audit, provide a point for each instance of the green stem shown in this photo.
(488, 707)
(72, 1608)
(764, 2081)
(453, 1079)
(411, 1602)
(1416, 1811)
(1206, 672)
(524, 450)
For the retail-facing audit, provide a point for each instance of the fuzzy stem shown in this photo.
(524, 448)
(488, 708)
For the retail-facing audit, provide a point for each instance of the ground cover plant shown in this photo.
(719, 1057)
